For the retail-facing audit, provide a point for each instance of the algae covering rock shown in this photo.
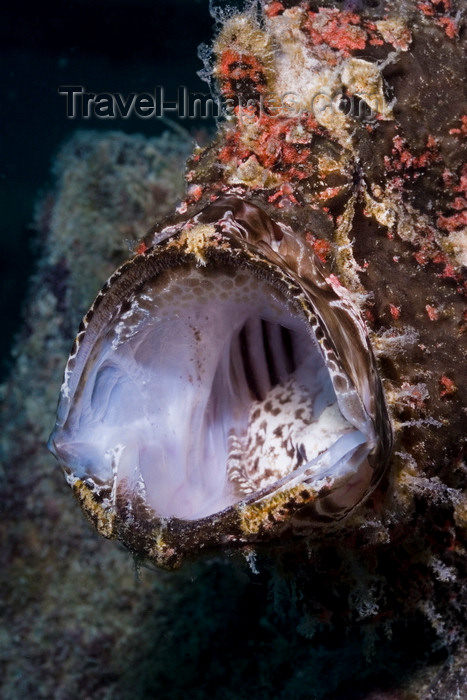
(378, 609)
(108, 189)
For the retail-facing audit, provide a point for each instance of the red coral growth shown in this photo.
(270, 140)
(429, 9)
(272, 147)
(405, 162)
(233, 150)
(141, 248)
(194, 193)
(458, 186)
(284, 194)
(236, 67)
(337, 30)
(449, 272)
(376, 42)
(462, 131)
(432, 312)
(329, 193)
(448, 387)
(274, 9)
(395, 311)
(438, 10)
(449, 25)
(321, 247)
(421, 257)
(453, 222)
(429, 252)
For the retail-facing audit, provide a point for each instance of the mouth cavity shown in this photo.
(200, 386)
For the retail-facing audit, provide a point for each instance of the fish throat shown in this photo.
(204, 377)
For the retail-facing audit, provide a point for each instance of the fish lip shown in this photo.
(232, 235)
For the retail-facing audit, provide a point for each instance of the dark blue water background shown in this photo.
(117, 46)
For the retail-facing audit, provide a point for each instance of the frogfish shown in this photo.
(278, 358)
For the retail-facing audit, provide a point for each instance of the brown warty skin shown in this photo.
(286, 354)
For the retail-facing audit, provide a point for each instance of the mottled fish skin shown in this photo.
(274, 195)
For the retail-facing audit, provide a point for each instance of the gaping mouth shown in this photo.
(212, 374)
(206, 386)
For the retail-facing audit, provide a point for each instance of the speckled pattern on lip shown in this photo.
(346, 188)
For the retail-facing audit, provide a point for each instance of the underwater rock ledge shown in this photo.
(49, 554)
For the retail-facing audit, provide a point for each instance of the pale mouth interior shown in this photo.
(208, 386)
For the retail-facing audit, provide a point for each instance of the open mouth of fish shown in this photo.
(212, 371)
